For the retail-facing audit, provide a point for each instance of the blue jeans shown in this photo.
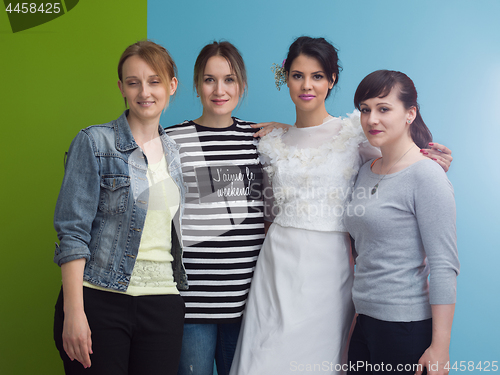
(202, 343)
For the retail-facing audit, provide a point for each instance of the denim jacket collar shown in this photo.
(125, 140)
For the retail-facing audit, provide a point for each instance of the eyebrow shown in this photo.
(153, 75)
(227, 75)
(383, 103)
(298, 71)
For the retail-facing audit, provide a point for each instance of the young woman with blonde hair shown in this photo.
(117, 218)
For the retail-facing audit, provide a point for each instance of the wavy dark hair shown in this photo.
(321, 50)
(380, 83)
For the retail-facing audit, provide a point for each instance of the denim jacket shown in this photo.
(102, 205)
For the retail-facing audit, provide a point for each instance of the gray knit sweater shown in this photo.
(403, 232)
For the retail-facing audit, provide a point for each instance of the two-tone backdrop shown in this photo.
(60, 76)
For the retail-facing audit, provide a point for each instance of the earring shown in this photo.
(409, 122)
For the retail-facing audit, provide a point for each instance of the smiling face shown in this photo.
(144, 91)
(385, 120)
(308, 83)
(219, 90)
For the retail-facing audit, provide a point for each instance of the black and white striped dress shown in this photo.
(222, 226)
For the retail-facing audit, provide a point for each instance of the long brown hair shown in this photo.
(230, 53)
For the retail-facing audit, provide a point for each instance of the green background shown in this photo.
(56, 78)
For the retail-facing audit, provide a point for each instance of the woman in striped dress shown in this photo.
(223, 225)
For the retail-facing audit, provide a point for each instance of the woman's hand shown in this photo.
(439, 153)
(76, 331)
(267, 127)
(437, 356)
(76, 337)
(434, 360)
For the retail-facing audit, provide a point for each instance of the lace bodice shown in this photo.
(312, 171)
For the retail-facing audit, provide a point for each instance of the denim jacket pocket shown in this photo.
(115, 189)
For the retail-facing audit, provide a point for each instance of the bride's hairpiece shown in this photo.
(279, 74)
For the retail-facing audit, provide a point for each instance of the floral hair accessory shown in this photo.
(279, 74)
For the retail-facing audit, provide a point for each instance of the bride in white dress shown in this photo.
(299, 312)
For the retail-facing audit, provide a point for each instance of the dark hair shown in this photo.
(380, 83)
(156, 56)
(230, 53)
(321, 50)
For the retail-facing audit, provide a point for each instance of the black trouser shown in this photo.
(380, 347)
(130, 335)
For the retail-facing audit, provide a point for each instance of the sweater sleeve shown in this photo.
(436, 217)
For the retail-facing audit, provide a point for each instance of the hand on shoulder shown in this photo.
(267, 127)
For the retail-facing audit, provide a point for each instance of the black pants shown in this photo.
(130, 335)
(380, 347)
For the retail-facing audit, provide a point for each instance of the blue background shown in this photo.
(451, 49)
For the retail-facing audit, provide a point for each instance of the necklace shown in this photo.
(374, 190)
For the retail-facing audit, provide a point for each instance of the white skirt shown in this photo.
(299, 311)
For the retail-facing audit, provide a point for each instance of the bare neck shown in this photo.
(306, 119)
(398, 156)
(212, 121)
(144, 131)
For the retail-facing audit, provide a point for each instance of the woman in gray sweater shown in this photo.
(402, 219)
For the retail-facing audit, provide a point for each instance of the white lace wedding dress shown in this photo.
(299, 312)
